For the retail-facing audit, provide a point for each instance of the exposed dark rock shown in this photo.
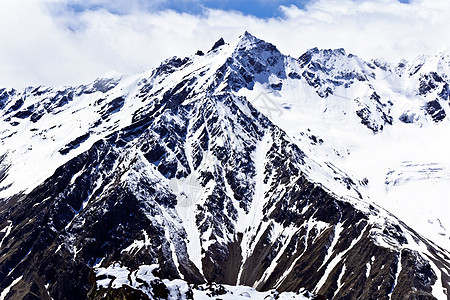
(124, 292)
(294, 75)
(112, 107)
(429, 82)
(4, 166)
(365, 116)
(5, 95)
(74, 144)
(435, 110)
(407, 117)
(18, 104)
(217, 44)
(24, 113)
(277, 86)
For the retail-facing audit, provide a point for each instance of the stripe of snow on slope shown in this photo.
(437, 288)
(339, 281)
(397, 273)
(139, 167)
(336, 235)
(320, 226)
(248, 242)
(249, 224)
(286, 273)
(369, 266)
(7, 231)
(26, 255)
(255, 214)
(336, 260)
(48, 291)
(188, 192)
(169, 237)
(7, 289)
(284, 237)
(98, 185)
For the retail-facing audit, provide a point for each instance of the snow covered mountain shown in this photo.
(319, 177)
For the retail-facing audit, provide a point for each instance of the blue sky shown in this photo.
(258, 8)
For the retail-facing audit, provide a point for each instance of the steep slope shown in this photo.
(178, 170)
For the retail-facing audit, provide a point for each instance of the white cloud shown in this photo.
(42, 43)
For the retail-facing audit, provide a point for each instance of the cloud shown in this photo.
(59, 42)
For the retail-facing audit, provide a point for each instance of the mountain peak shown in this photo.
(248, 35)
(249, 42)
(247, 39)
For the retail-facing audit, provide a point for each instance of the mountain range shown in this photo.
(233, 173)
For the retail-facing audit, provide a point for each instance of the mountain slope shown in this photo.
(177, 169)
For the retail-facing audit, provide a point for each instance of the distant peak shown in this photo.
(248, 37)
(327, 56)
(248, 41)
(328, 52)
(313, 50)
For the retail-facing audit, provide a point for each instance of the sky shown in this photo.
(70, 42)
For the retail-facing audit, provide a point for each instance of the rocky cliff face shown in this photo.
(122, 187)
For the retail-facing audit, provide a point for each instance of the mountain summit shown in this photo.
(238, 172)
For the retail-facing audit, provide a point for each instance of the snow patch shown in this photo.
(8, 288)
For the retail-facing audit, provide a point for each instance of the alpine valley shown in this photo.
(236, 173)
